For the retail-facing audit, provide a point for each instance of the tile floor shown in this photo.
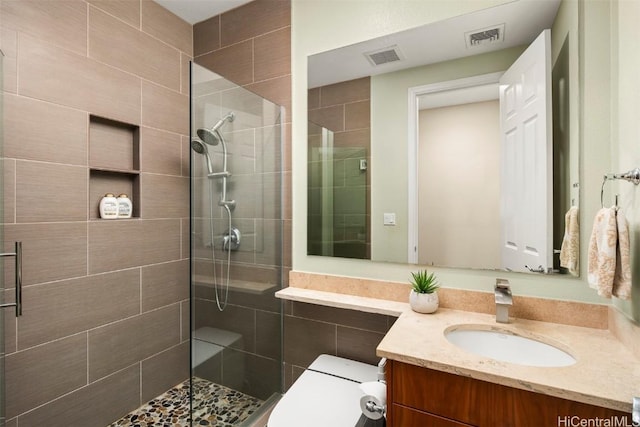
(214, 405)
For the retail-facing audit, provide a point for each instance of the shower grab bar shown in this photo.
(18, 267)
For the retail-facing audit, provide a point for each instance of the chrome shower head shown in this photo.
(212, 136)
(200, 148)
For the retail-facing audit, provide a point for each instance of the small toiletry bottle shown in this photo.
(109, 207)
(125, 207)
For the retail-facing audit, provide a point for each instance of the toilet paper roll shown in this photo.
(374, 402)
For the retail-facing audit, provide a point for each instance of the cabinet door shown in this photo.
(447, 395)
(407, 417)
(469, 401)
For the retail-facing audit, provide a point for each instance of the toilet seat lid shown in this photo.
(321, 399)
(344, 368)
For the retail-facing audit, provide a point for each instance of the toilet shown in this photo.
(326, 394)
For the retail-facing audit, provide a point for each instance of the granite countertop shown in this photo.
(605, 374)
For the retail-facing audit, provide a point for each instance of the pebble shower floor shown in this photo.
(214, 405)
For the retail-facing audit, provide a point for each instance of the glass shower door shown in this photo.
(236, 251)
(338, 220)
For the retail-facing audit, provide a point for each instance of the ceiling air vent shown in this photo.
(384, 55)
(485, 36)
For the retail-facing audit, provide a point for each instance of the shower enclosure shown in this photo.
(338, 220)
(236, 256)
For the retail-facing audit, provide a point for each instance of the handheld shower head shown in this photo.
(200, 148)
(212, 136)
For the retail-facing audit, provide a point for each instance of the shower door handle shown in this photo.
(18, 257)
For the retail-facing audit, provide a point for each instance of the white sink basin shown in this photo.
(507, 346)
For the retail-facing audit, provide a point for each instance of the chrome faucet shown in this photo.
(504, 300)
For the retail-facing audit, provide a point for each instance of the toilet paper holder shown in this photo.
(373, 407)
(373, 402)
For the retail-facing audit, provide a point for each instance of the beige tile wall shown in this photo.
(105, 324)
(251, 46)
(311, 330)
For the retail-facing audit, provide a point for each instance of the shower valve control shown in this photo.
(231, 239)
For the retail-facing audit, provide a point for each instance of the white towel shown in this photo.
(570, 249)
(609, 267)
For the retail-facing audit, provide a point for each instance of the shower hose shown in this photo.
(224, 278)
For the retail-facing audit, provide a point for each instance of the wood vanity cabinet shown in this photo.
(421, 397)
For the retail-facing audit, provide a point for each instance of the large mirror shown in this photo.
(408, 157)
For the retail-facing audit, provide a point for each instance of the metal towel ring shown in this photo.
(632, 176)
(602, 191)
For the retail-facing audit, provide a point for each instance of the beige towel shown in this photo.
(570, 249)
(602, 252)
(622, 278)
(609, 269)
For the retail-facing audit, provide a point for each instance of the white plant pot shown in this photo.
(423, 303)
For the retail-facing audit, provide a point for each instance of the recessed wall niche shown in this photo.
(114, 162)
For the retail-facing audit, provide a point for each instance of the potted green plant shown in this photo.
(424, 296)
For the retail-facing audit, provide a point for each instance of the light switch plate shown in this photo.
(389, 219)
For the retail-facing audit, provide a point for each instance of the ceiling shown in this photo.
(194, 11)
(522, 21)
